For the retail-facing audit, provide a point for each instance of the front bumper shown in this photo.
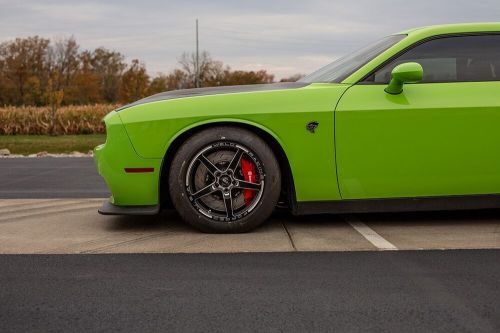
(118, 154)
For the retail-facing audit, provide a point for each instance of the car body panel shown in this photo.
(433, 139)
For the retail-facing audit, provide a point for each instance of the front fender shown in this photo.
(284, 114)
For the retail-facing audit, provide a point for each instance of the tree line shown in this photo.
(37, 71)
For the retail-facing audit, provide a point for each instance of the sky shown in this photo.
(284, 37)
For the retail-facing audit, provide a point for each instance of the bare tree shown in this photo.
(65, 61)
(208, 68)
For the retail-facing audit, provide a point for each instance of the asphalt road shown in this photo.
(376, 291)
(62, 177)
(418, 291)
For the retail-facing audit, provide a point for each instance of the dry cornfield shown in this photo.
(73, 119)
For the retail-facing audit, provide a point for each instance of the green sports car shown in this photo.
(411, 122)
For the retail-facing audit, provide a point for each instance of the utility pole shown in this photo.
(197, 79)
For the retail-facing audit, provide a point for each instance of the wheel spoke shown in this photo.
(209, 165)
(203, 192)
(218, 173)
(228, 202)
(236, 160)
(248, 186)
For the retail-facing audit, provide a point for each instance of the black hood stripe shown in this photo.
(215, 91)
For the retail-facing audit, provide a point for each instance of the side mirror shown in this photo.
(409, 72)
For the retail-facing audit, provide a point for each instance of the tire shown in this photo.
(238, 173)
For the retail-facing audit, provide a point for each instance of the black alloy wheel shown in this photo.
(230, 180)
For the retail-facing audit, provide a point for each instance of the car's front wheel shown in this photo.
(224, 179)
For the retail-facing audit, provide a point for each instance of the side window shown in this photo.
(451, 59)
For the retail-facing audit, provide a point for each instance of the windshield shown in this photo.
(345, 66)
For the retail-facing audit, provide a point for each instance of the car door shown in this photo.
(439, 137)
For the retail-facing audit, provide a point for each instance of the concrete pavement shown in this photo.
(74, 226)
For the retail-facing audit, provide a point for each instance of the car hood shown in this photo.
(175, 94)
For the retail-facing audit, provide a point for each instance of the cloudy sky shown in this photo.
(282, 36)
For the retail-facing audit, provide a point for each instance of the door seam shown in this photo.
(335, 139)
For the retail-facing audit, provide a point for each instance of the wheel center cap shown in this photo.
(225, 180)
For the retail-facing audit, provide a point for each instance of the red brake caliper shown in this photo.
(248, 169)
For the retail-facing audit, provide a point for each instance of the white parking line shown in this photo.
(378, 241)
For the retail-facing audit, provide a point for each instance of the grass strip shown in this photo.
(31, 144)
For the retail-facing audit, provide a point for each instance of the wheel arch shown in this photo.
(287, 186)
